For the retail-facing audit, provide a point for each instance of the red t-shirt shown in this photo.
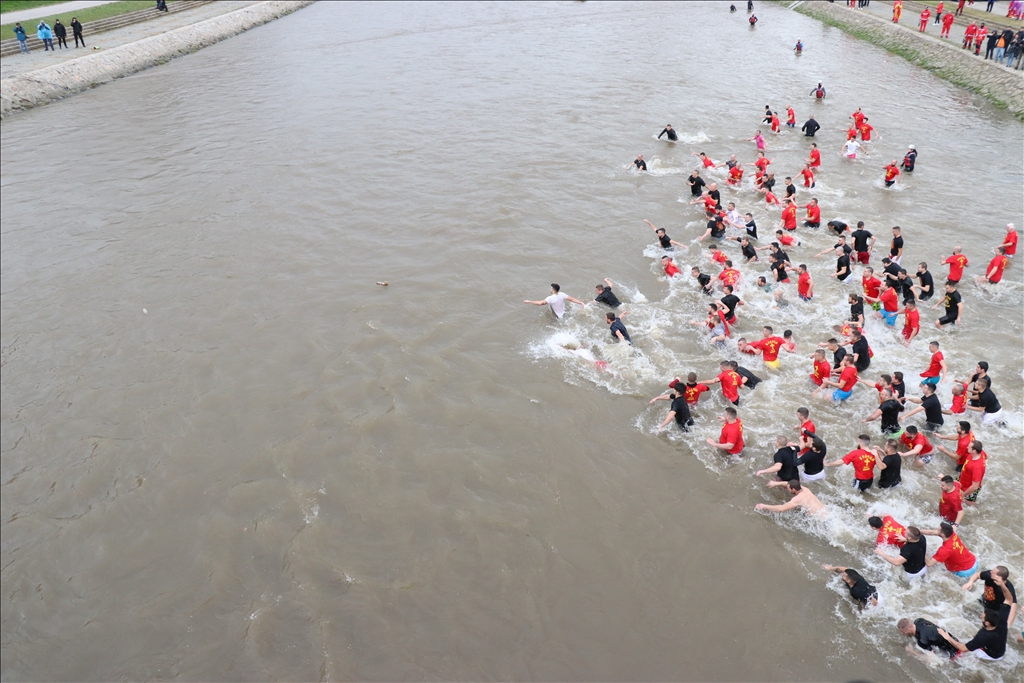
(719, 257)
(912, 322)
(733, 433)
(670, 269)
(851, 134)
(736, 173)
(693, 392)
(813, 210)
(969, 33)
(791, 114)
(863, 463)
(822, 370)
(808, 175)
(729, 276)
(887, 534)
(710, 204)
(858, 118)
(803, 284)
(770, 198)
(775, 123)
(808, 426)
(951, 503)
(848, 378)
(920, 439)
(889, 300)
(935, 367)
(769, 347)
(786, 240)
(957, 263)
(731, 382)
(708, 163)
(762, 163)
(973, 471)
(999, 263)
(871, 286)
(954, 555)
(815, 158)
(1011, 242)
(947, 20)
(865, 133)
(963, 445)
(891, 172)
(958, 403)
(789, 217)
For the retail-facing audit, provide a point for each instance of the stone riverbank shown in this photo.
(41, 86)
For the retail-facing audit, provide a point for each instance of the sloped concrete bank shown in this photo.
(1004, 87)
(51, 83)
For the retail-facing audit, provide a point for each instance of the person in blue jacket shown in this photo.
(45, 34)
(19, 33)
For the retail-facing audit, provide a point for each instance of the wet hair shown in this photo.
(911, 429)
(610, 316)
(945, 529)
(833, 340)
(666, 257)
(946, 479)
(983, 365)
(741, 340)
(817, 443)
(1002, 572)
(898, 376)
(904, 623)
(875, 522)
(864, 439)
(555, 287)
(803, 412)
(731, 412)
(794, 484)
(769, 330)
(692, 377)
(787, 334)
(887, 379)
(965, 426)
(761, 280)
(977, 446)
(913, 533)
(992, 617)
(853, 574)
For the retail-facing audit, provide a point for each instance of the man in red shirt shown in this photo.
(951, 504)
(735, 175)
(926, 14)
(704, 158)
(814, 160)
(890, 532)
(670, 268)
(865, 129)
(731, 438)
(952, 553)
(730, 276)
(918, 445)
(936, 372)
(911, 322)
(808, 175)
(858, 117)
(994, 274)
(963, 437)
(822, 368)
(813, 210)
(863, 461)
(788, 219)
(890, 303)
(790, 116)
(804, 283)
(979, 38)
(769, 347)
(871, 285)
(1009, 244)
(957, 262)
(892, 174)
(846, 382)
(692, 389)
(851, 133)
(972, 473)
(730, 380)
(762, 162)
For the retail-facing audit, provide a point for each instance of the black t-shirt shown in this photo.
(847, 249)
(779, 253)
(892, 272)
(752, 379)
(914, 554)
(952, 305)
(989, 402)
(899, 390)
(752, 229)
(927, 634)
(992, 643)
(787, 457)
(856, 311)
(838, 357)
(640, 164)
(860, 239)
(608, 297)
(891, 474)
(717, 228)
(617, 326)
(993, 595)
(670, 132)
(810, 128)
(682, 411)
(791, 189)
(665, 241)
(927, 285)
(860, 348)
(717, 196)
(839, 226)
(695, 185)
(862, 591)
(897, 246)
(779, 267)
(843, 266)
(905, 289)
(932, 409)
(891, 410)
(730, 301)
(768, 183)
(704, 280)
(731, 163)
(813, 462)
(749, 252)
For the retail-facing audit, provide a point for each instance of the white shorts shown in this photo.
(980, 654)
(813, 477)
(896, 260)
(919, 575)
(992, 418)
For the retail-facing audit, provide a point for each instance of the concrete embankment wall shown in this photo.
(51, 83)
(946, 60)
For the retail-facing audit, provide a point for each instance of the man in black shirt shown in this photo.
(863, 243)
(668, 131)
(839, 353)
(605, 294)
(912, 554)
(731, 301)
(716, 195)
(896, 249)
(839, 226)
(954, 306)
(891, 464)
(988, 404)
(696, 184)
(748, 249)
(639, 162)
(994, 598)
(778, 266)
(664, 240)
(810, 128)
(790, 188)
(856, 309)
(679, 411)
(889, 410)
(751, 226)
(927, 636)
(989, 643)
(926, 286)
(843, 272)
(860, 350)
(703, 280)
(892, 273)
(931, 406)
(905, 286)
(785, 468)
(750, 380)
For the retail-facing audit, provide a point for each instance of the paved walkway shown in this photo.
(48, 10)
(20, 63)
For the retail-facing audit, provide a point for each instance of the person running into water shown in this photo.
(989, 643)
(664, 240)
(704, 159)
(863, 460)
(669, 132)
(731, 439)
(785, 467)
(927, 637)
(892, 174)
(1009, 245)
(850, 148)
(617, 329)
(954, 306)
(758, 140)
(730, 381)
(912, 554)
(671, 270)
(994, 274)
(802, 498)
(556, 301)
(860, 590)
(605, 295)
(678, 411)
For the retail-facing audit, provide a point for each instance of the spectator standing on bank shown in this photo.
(61, 32)
(76, 28)
(19, 33)
(45, 34)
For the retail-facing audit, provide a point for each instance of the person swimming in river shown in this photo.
(668, 131)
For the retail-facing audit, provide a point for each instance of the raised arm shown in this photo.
(651, 224)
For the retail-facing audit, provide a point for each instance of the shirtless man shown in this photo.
(802, 498)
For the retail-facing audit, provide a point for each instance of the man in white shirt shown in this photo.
(556, 301)
(850, 148)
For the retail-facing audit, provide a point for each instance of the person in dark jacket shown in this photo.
(990, 44)
(810, 128)
(76, 28)
(61, 32)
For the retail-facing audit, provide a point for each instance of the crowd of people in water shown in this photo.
(838, 366)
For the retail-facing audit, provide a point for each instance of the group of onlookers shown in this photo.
(47, 34)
